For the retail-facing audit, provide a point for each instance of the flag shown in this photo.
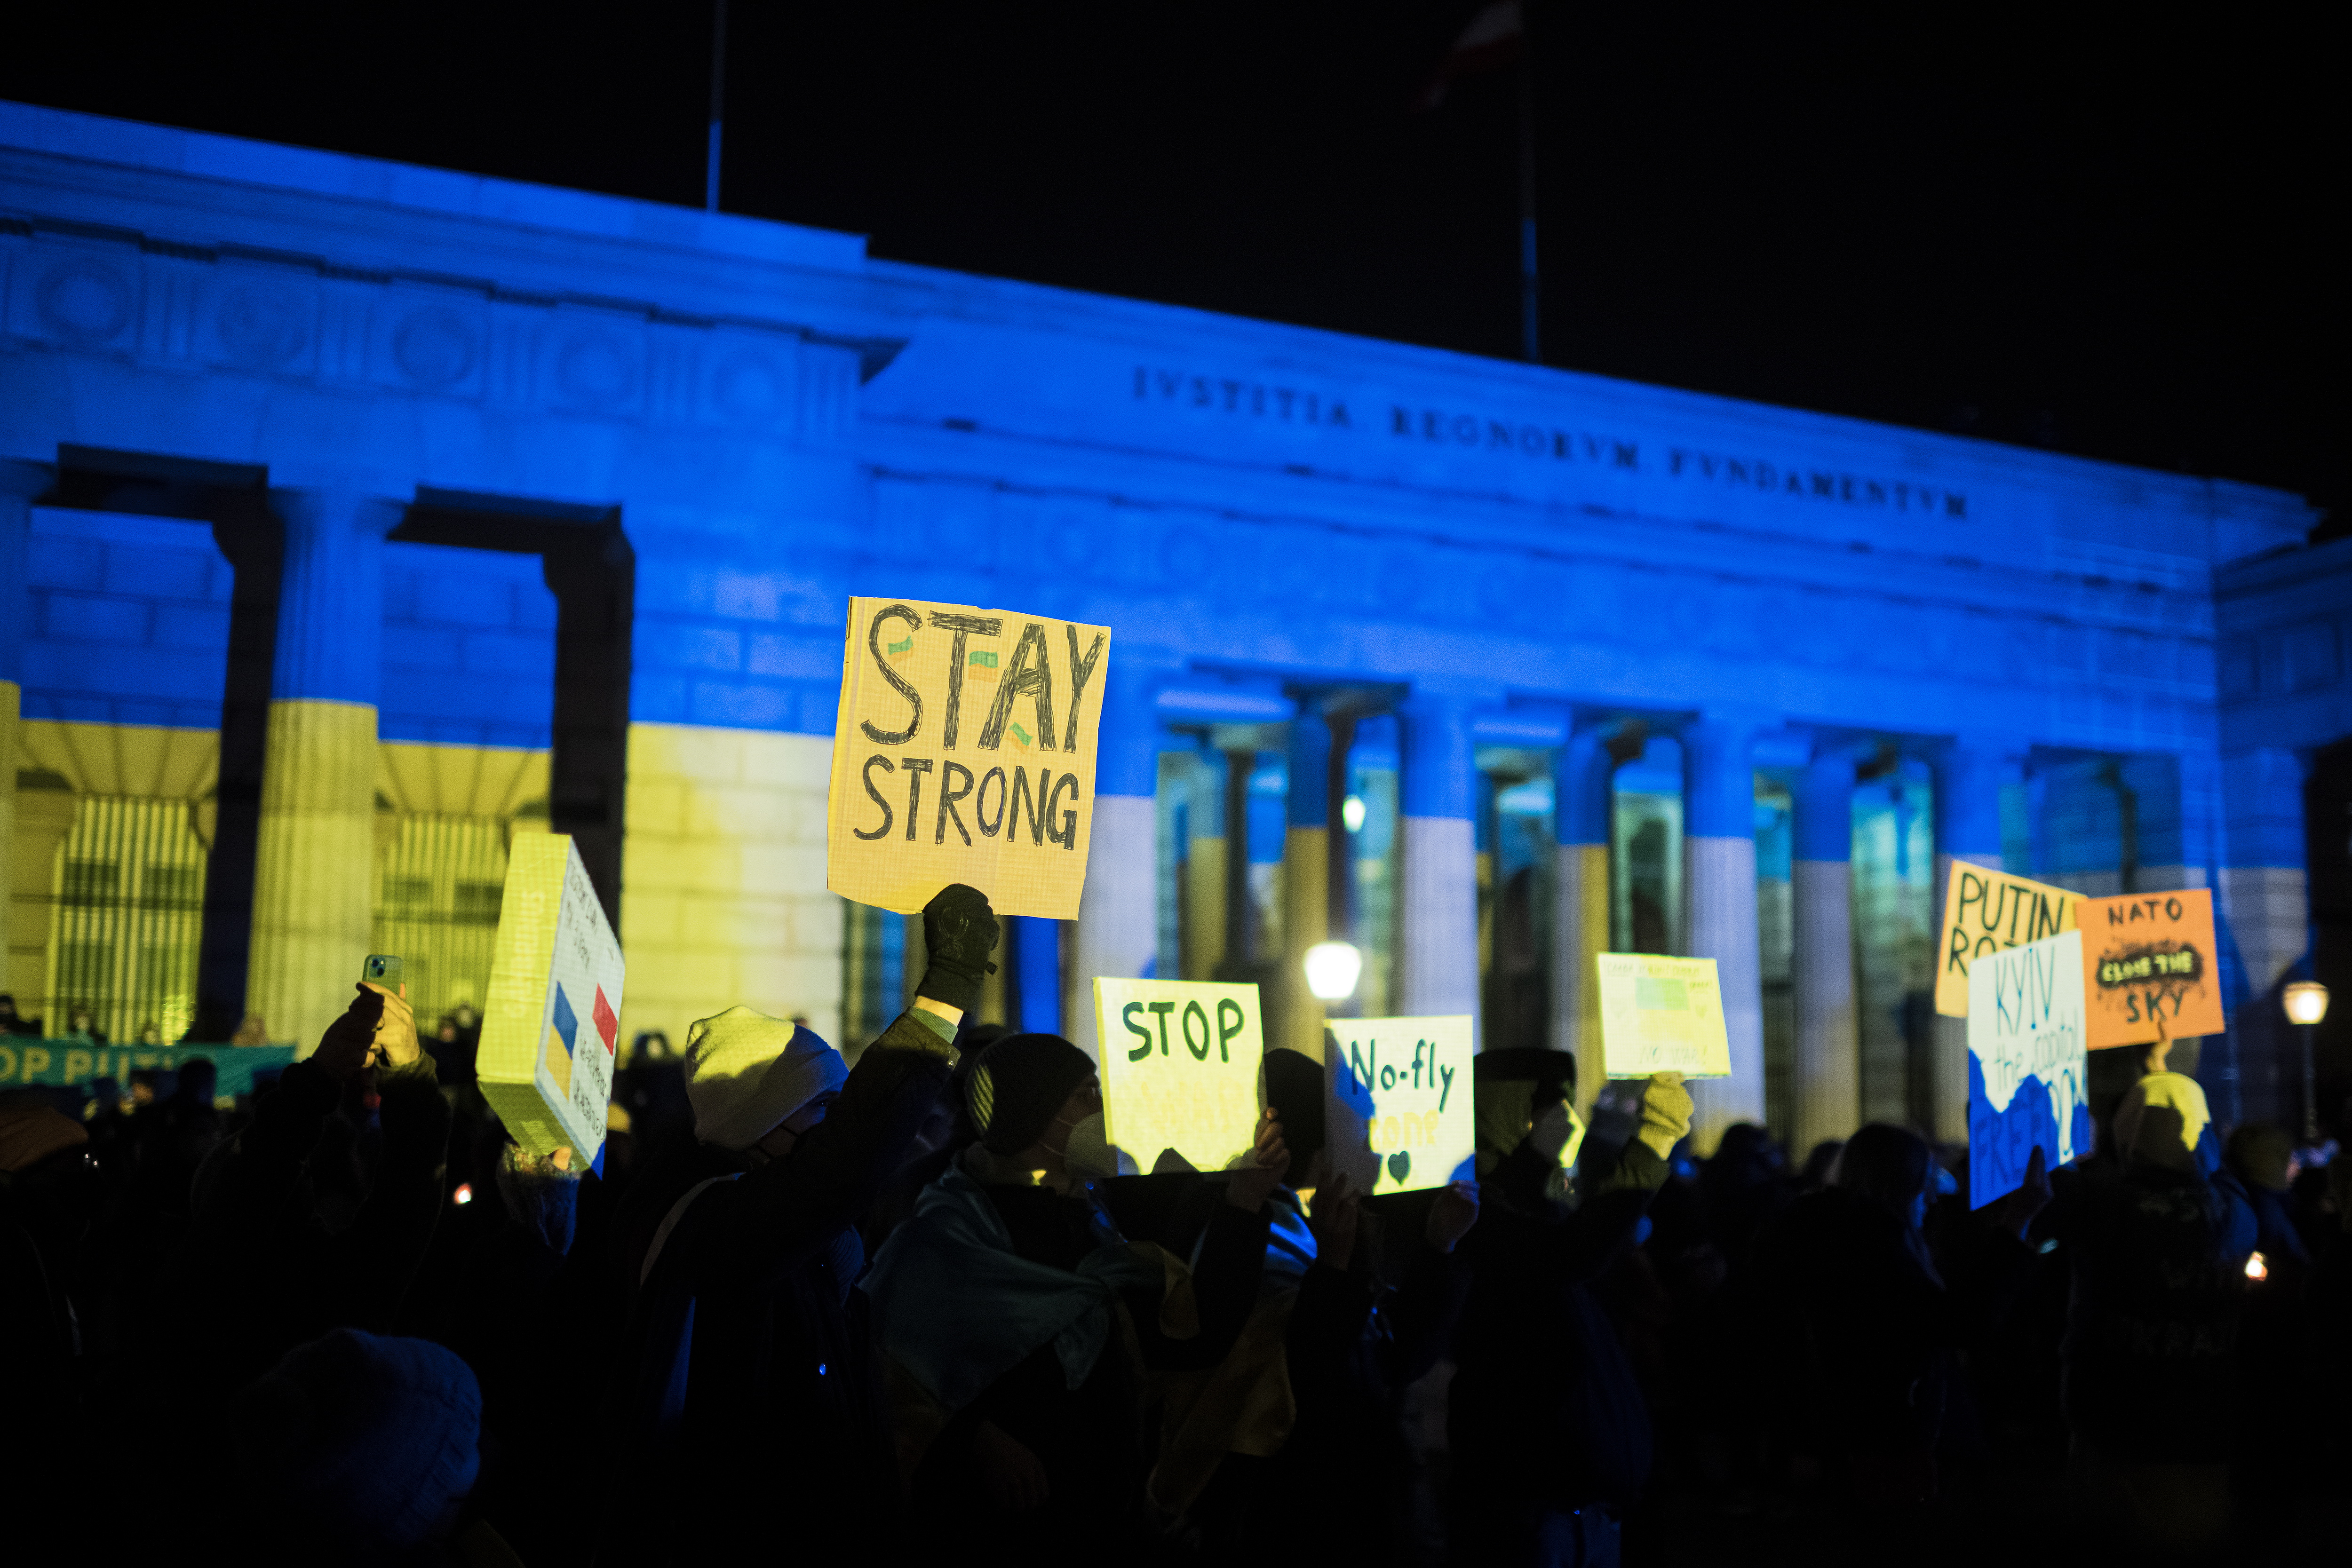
(1491, 41)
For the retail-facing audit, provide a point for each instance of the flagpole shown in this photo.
(1530, 279)
(717, 106)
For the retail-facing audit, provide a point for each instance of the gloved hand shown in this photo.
(959, 934)
(1665, 1114)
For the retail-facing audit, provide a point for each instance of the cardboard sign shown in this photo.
(964, 751)
(1986, 911)
(1662, 1015)
(553, 1010)
(1402, 1113)
(2148, 961)
(1179, 1069)
(2028, 1066)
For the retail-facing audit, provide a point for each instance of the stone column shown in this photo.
(1033, 947)
(1829, 1047)
(19, 484)
(1583, 778)
(1437, 912)
(313, 871)
(2264, 901)
(1720, 909)
(1306, 881)
(1118, 930)
(1969, 778)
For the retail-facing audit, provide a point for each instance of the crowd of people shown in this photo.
(910, 1310)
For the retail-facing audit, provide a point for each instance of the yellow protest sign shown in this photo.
(1179, 1069)
(1985, 911)
(964, 751)
(553, 1015)
(1402, 1113)
(2148, 964)
(1662, 1015)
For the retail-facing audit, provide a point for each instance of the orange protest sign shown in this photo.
(2148, 969)
(964, 751)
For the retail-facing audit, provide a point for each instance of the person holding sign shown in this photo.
(266, 1271)
(750, 1392)
(2159, 1235)
(1548, 1428)
(1011, 1308)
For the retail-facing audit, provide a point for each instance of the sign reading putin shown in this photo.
(964, 751)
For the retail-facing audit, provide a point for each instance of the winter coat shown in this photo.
(2151, 1346)
(1544, 1409)
(751, 1415)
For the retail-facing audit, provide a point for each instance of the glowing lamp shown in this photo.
(2306, 1002)
(1351, 813)
(1332, 970)
(2258, 1268)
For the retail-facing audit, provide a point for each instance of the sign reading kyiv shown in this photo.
(2028, 1063)
(1179, 1069)
(964, 751)
(553, 1015)
(1402, 1110)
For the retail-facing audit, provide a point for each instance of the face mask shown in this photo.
(1088, 1153)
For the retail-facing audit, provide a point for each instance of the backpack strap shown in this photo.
(669, 1223)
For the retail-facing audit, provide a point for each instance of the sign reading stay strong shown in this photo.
(964, 751)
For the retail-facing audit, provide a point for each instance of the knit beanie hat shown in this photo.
(371, 1438)
(2161, 1118)
(746, 1071)
(1020, 1082)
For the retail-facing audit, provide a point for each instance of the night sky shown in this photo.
(2110, 237)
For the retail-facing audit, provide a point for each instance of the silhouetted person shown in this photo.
(752, 1411)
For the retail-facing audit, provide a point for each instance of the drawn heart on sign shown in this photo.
(1399, 1164)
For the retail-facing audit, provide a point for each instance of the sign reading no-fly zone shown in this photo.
(964, 751)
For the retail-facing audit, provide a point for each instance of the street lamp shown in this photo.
(2307, 1004)
(1333, 969)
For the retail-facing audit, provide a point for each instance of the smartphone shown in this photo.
(383, 969)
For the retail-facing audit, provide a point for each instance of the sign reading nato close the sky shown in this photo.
(2028, 1061)
(964, 751)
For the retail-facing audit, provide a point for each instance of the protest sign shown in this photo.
(964, 751)
(553, 1010)
(2148, 968)
(77, 1062)
(2026, 1067)
(1662, 1015)
(1179, 1069)
(1402, 1113)
(1986, 911)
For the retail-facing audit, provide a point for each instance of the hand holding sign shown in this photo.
(1255, 1173)
(960, 931)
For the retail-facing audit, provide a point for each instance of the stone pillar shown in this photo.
(313, 872)
(2264, 901)
(1828, 1046)
(1118, 930)
(1306, 881)
(1033, 948)
(1437, 914)
(1583, 778)
(19, 484)
(1969, 775)
(1720, 909)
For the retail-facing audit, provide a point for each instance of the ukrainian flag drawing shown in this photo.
(562, 1032)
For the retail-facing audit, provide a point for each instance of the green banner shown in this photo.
(71, 1064)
